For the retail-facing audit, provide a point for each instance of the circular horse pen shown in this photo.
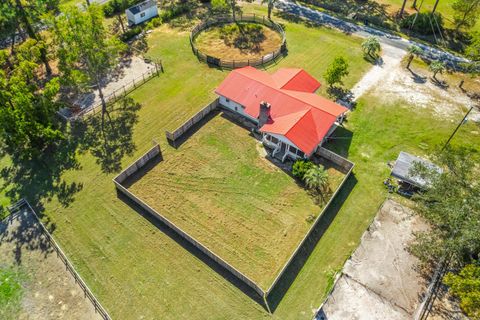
(247, 40)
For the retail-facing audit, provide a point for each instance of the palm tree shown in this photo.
(371, 46)
(270, 5)
(413, 51)
(436, 67)
(317, 178)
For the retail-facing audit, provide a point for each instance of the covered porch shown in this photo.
(281, 148)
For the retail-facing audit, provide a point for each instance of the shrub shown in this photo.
(114, 7)
(131, 33)
(300, 167)
(424, 23)
(155, 22)
(244, 36)
(174, 11)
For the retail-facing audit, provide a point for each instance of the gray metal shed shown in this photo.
(402, 169)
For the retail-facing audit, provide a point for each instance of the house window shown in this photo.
(142, 14)
(273, 139)
(227, 100)
(292, 149)
(300, 153)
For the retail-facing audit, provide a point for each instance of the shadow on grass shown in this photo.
(227, 275)
(110, 144)
(41, 179)
(340, 141)
(193, 129)
(281, 287)
(417, 78)
(22, 230)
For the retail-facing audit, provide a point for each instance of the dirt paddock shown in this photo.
(381, 279)
(49, 290)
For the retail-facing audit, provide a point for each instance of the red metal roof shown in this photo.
(300, 115)
(295, 79)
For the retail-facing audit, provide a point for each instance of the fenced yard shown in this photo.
(219, 188)
(51, 286)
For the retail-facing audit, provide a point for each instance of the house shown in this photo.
(404, 171)
(293, 120)
(141, 12)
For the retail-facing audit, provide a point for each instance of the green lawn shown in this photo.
(137, 270)
(219, 187)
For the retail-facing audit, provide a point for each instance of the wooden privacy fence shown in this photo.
(340, 161)
(346, 165)
(155, 151)
(177, 133)
(68, 265)
(231, 63)
(137, 165)
(113, 97)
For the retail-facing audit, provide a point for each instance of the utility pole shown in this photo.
(458, 127)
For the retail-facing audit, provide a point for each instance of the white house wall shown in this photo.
(130, 17)
(235, 107)
(137, 18)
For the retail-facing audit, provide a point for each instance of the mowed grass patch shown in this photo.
(137, 270)
(219, 187)
(212, 42)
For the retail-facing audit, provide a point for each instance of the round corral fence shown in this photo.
(238, 63)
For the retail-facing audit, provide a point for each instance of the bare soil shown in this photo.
(210, 43)
(390, 81)
(380, 280)
(50, 292)
(130, 70)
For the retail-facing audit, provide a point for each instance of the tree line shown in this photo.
(83, 51)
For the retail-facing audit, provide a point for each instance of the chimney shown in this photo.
(264, 115)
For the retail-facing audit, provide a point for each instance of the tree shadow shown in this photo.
(373, 59)
(110, 144)
(339, 93)
(340, 141)
(417, 78)
(23, 232)
(439, 83)
(39, 179)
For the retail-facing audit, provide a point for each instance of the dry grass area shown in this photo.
(210, 43)
(220, 188)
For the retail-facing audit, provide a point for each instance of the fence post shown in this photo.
(143, 76)
(134, 83)
(124, 91)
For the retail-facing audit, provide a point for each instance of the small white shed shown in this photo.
(141, 12)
